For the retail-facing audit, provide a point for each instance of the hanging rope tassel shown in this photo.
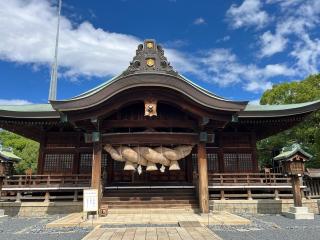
(162, 169)
(139, 168)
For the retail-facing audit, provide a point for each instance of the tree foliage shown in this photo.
(24, 148)
(307, 133)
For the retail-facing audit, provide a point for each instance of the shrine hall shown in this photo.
(150, 129)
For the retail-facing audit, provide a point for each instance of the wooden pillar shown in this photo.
(296, 191)
(220, 152)
(189, 168)
(41, 155)
(76, 162)
(255, 166)
(203, 178)
(110, 165)
(1, 184)
(76, 158)
(96, 168)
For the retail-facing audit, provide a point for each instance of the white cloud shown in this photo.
(199, 21)
(285, 3)
(307, 54)
(293, 32)
(247, 14)
(224, 68)
(224, 39)
(28, 28)
(272, 70)
(255, 102)
(14, 102)
(272, 43)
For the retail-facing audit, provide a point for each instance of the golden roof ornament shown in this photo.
(149, 58)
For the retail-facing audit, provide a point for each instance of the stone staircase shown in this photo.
(146, 200)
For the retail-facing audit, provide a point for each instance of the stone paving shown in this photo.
(150, 218)
(271, 227)
(13, 228)
(152, 233)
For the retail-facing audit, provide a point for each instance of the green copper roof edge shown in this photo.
(114, 79)
(9, 155)
(94, 90)
(29, 111)
(276, 107)
(280, 110)
(47, 107)
(208, 92)
(288, 154)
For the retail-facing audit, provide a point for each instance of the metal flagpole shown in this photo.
(54, 69)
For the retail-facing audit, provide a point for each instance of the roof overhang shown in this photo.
(276, 111)
(30, 111)
(122, 83)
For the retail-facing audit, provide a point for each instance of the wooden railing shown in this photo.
(246, 179)
(248, 186)
(47, 181)
(44, 187)
(313, 187)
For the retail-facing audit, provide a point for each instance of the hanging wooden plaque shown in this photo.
(150, 107)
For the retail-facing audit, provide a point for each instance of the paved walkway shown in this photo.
(220, 218)
(152, 233)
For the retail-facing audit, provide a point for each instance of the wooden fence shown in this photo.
(249, 186)
(44, 187)
(246, 179)
(221, 186)
(313, 187)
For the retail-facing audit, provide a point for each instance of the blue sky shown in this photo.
(236, 49)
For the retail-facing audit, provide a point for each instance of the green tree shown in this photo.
(307, 133)
(25, 148)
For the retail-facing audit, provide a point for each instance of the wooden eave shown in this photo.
(122, 83)
(29, 115)
(304, 109)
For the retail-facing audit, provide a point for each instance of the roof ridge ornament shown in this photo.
(149, 58)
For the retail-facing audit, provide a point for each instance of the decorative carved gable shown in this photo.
(149, 58)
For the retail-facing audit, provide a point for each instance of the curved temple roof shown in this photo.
(263, 111)
(148, 79)
(288, 152)
(29, 111)
(150, 68)
(8, 155)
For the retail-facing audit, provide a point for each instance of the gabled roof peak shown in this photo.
(149, 58)
(289, 151)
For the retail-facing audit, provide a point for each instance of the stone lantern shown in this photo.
(291, 162)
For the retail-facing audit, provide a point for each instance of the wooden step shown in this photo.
(165, 206)
(150, 199)
(142, 210)
(150, 192)
(150, 202)
(144, 198)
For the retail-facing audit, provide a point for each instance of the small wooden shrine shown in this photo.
(7, 159)
(150, 126)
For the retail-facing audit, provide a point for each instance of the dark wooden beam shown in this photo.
(150, 138)
(148, 123)
(33, 133)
